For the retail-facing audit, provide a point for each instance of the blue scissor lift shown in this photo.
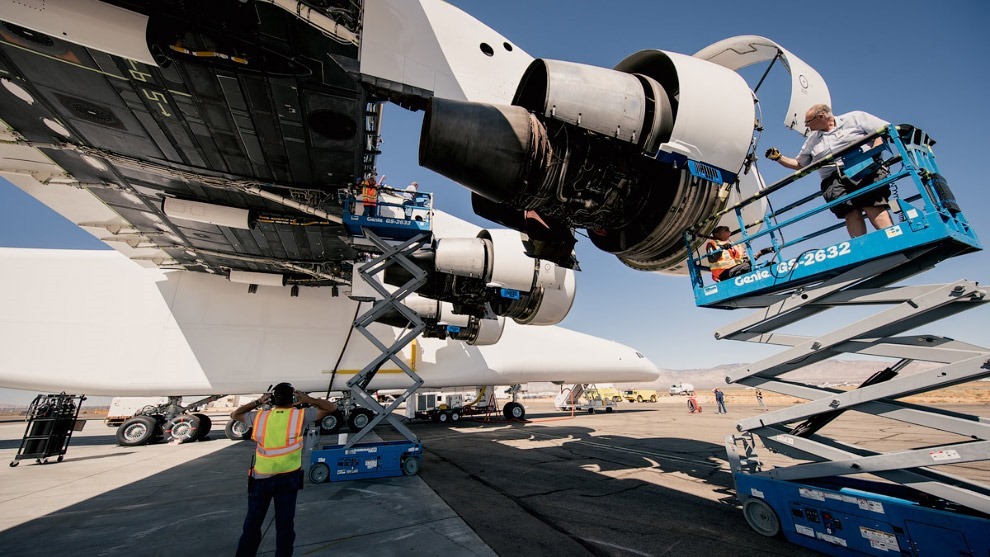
(846, 498)
(397, 229)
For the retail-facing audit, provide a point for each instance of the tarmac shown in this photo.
(648, 479)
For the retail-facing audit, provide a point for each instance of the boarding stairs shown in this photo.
(894, 500)
(583, 396)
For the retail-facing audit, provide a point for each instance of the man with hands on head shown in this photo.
(277, 470)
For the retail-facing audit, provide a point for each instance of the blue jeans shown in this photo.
(721, 407)
(282, 488)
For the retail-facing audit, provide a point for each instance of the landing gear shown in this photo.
(138, 430)
(237, 431)
(514, 411)
(332, 423)
(359, 419)
(183, 428)
(171, 420)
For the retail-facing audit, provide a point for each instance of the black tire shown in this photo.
(205, 425)
(410, 466)
(359, 419)
(332, 423)
(514, 411)
(139, 430)
(319, 473)
(761, 517)
(591, 410)
(237, 431)
(182, 428)
(455, 416)
(443, 417)
(14, 463)
(653, 398)
(639, 398)
(608, 409)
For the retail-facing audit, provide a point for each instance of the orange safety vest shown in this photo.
(279, 433)
(730, 257)
(369, 193)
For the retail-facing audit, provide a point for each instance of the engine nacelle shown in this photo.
(442, 321)
(531, 291)
(636, 155)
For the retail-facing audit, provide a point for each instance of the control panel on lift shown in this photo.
(809, 245)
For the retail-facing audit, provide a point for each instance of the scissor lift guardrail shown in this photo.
(915, 508)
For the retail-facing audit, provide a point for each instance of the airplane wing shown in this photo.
(250, 109)
(225, 138)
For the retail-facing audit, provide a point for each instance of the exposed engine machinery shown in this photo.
(476, 283)
(635, 155)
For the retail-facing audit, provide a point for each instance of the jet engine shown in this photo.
(475, 283)
(636, 155)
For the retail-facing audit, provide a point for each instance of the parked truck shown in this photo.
(640, 395)
(685, 389)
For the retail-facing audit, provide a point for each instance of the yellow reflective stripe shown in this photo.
(725, 259)
(278, 451)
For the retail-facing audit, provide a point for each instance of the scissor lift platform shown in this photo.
(930, 222)
(855, 517)
(364, 461)
(832, 502)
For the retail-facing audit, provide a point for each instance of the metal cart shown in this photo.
(51, 421)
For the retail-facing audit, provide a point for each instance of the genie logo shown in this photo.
(751, 278)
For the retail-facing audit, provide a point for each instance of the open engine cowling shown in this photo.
(531, 291)
(636, 155)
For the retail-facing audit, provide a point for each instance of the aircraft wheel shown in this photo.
(319, 473)
(183, 428)
(514, 411)
(410, 466)
(443, 417)
(135, 431)
(761, 517)
(237, 431)
(359, 419)
(332, 423)
(14, 463)
(205, 425)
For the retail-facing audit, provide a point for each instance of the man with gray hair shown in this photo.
(830, 134)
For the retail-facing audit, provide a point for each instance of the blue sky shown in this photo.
(906, 62)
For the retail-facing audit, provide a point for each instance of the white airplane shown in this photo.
(213, 145)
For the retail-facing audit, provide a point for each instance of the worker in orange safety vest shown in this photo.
(369, 196)
(277, 473)
(726, 260)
